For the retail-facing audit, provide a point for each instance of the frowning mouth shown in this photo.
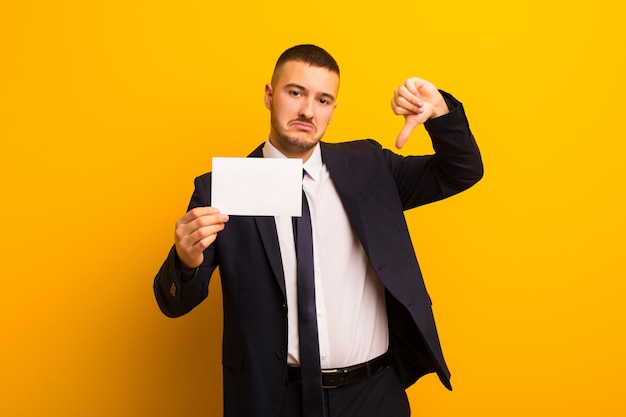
(303, 125)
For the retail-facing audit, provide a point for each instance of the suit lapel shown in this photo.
(341, 173)
(267, 231)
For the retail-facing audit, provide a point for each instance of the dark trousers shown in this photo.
(379, 396)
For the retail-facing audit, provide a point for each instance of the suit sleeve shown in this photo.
(175, 297)
(455, 166)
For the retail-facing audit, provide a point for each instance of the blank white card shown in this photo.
(257, 186)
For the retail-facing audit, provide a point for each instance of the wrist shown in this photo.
(440, 108)
(186, 272)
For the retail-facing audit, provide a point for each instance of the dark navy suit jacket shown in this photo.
(375, 186)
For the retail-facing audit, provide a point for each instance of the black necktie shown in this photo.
(311, 375)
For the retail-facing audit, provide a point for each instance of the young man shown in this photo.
(369, 332)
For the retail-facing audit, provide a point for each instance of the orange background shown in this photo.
(109, 109)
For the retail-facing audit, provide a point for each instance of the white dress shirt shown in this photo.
(350, 299)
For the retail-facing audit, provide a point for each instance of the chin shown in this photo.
(299, 144)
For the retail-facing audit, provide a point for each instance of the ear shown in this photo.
(269, 94)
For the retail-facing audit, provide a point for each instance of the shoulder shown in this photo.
(359, 149)
(363, 151)
(358, 163)
(362, 145)
(204, 178)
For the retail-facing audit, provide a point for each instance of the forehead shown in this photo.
(315, 79)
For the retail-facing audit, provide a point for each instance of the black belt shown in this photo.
(338, 377)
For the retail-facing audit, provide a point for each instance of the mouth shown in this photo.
(302, 125)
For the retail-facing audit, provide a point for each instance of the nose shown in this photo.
(306, 108)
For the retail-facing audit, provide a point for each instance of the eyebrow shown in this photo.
(300, 87)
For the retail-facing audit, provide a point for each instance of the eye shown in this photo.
(294, 93)
(325, 100)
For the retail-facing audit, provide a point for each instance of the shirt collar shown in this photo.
(312, 166)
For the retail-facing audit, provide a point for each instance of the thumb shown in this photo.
(410, 123)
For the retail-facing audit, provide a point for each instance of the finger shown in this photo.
(410, 123)
(190, 246)
(408, 94)
(201, 238)
(402, 107)
(200, 227)
(405, 105)
(414, 85)
(197, 212)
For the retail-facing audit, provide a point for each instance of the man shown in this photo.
(372, 333)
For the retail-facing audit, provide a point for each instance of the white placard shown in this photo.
(257, 186)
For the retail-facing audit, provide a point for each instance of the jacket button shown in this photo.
(280, 354)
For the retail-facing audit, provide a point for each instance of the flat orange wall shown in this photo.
(109, 109)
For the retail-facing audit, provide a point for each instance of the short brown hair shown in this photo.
(310, 54)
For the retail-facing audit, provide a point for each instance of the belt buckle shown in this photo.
(340, 375)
